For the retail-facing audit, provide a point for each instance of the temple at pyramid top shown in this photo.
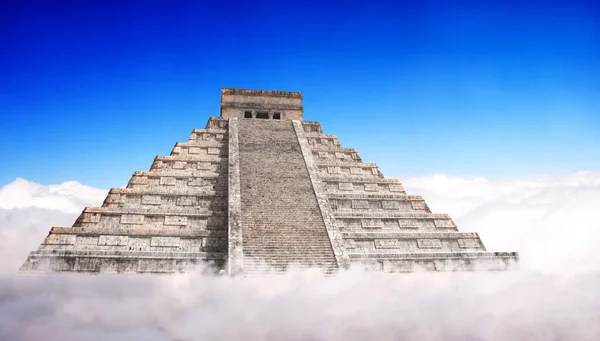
(260, 190)
(261, 104)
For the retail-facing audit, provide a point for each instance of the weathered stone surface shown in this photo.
(282, 222)
(235, 260)
(258, 189)
(181, 196)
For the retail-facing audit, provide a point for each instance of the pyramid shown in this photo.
(259, 190)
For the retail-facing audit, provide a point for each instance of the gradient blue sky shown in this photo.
(92, 92)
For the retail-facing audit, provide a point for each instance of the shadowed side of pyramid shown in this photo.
(259, 190)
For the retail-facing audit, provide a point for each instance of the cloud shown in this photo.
(69, 196)
(550, 220)
(553, 296)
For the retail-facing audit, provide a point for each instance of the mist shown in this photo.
(553, 294)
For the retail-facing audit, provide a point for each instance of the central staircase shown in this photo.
(282, 226)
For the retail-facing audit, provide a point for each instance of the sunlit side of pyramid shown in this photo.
(261, 190)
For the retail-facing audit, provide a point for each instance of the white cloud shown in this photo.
(549, 220)
(28, 210)
(69, 196)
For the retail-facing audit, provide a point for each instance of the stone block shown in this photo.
(176, 220)
(88, 264)
(195, 182)
(390, 244)
(371, 187)
(60, 239)
(339, 155)
(333, 170)
(204, 165)
(186, 201)
(323, 155)
(165, 241)
(469, 243)
(444, 223)
(194, 150)
(179, 164)
(397, 266)
(419, 205)
(87, 240)
(396, 188)
(415, 223)
(90, 217)
(168, 181)
(198, 223)
(360, 204)
(390, 205)
(372, 223)
(429, 243)
(156, 265)
(213, 151)
(356, 170)
(151, 200)
(113, 199)
(132, 219)
(139, 243)
(113, 240)
(138, 180)
(345, 186)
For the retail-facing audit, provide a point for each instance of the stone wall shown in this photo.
(167, 219)
(235, 102)
(382, 227)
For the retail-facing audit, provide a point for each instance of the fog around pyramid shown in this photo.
(550, 220)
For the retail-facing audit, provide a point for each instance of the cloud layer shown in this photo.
(550, 220)
(554, 296)
(68, 197)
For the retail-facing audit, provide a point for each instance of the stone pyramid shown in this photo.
(259, 190)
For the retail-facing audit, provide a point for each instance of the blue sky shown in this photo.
(92, 92)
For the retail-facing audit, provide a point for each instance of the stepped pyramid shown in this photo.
(259, 190)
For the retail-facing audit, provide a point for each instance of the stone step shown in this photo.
(435, 255)
(292, 257)
(145, 232)
(313, 134)
(330, 148)
(221, 144)
(307, 253)
(258, 261)
(359, 179)
(345, 164)
(197, 133)
(257, 243)
(171, 191)
(373, 196)
(409, 235)
(157, 211)
(182, 173)
(191, 158)
(281, 219)
(198, 151)
(393, 215)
